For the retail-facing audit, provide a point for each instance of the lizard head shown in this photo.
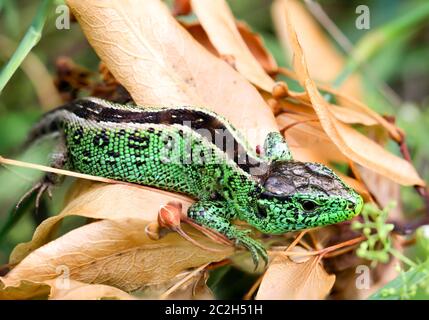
(300, 195)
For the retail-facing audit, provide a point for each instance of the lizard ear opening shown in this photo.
(276, 148)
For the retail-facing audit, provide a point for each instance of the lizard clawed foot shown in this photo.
(255, 247)
(45, 185)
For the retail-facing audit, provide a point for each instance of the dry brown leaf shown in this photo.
(217, 20)
(357, 185)
(384, 191)
(308, 141)
(114, 251)
(60, 289)
(257, 47)
(181, 287)
(347, 101)
(253, 41)
(101, 201)
(298, 258)
(351, 116)
(352, 144)
(285, 279)
(160, 63)
(67, 289)
(325, 63)
(24, 290)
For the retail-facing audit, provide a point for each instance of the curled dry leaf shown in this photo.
(316, 45)
(349, 102)
(67, 289)
(160, 63)
(217, 20)
(114, 250)
(256, 46)
(307, 140)
(60, 289)
(286, 279)
(101, 201)
(23, 290)
(352, 143)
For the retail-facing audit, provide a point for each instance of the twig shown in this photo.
(295, 242)
(340, 252)
(39, 167)
(258, 282)
(347, 243)
(324, 251)
(422, 191)
(182, 281)
(218, 264)
(293, 124)
(253, 288)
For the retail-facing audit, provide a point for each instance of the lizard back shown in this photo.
(175, 149)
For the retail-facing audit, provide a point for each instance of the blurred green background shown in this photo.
(403, 64)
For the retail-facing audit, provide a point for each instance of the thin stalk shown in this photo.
(398, 255)
(30, 39)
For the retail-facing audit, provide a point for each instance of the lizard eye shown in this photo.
(308, 205)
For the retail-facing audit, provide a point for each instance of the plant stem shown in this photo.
(398, 255)
(30, 39)
(324, 251)
(421, 190)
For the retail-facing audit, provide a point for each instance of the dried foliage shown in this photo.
(217, 63)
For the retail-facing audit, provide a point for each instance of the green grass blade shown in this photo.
(16, 214)
(375, 40)
(410, 285)
(30, 39)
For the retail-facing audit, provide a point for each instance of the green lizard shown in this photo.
(185, 149)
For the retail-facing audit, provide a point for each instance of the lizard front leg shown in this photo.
(58, 161)
(216, 215)
(276, 148)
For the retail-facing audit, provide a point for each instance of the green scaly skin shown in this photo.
(153, 147)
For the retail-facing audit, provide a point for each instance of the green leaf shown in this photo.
(30, 39)
(410, 285)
